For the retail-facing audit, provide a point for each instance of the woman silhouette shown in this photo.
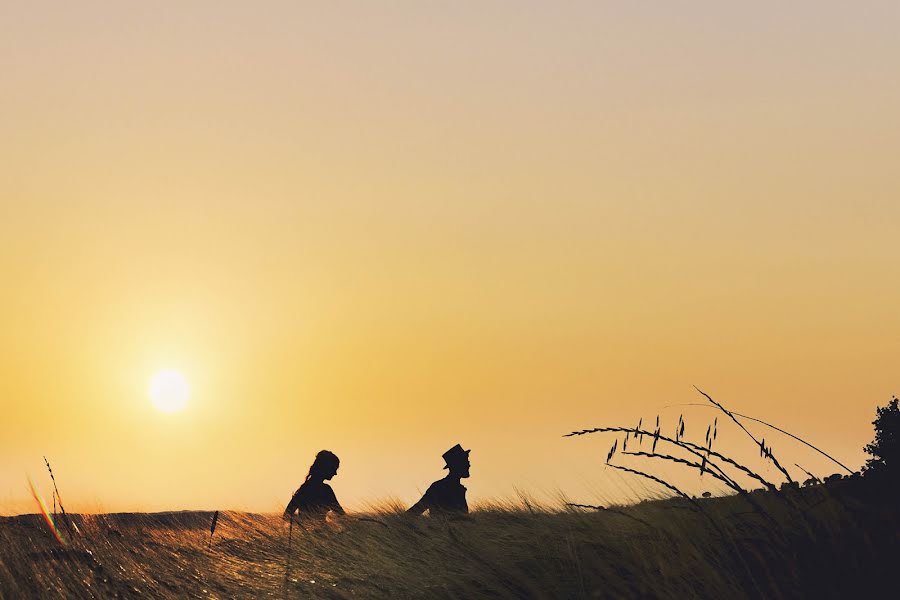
(315, 498)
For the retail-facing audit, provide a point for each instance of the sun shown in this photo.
(169, 391)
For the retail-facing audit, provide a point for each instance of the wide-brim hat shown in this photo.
(455, 456)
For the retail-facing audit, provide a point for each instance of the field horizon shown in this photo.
(827, 540)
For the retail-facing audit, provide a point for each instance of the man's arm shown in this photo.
(422, 505)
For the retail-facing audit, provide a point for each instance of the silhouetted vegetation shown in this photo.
(885, 448)
(834, 537)
(824, 543)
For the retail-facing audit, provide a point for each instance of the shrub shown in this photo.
(885, 448)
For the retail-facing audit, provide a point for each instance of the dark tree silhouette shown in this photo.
(885, 448)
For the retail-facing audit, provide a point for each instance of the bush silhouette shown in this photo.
(885, 448)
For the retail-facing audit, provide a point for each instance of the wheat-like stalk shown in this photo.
(212, 528)
(770, 486)
(689, 446)
(663, 483)
(780, 430)
(62, 509)
(723, 478)
(767, 452)
(756, 506)
(669, 486)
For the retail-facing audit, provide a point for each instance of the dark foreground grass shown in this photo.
(839, 540)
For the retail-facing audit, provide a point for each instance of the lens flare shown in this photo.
(46, 513)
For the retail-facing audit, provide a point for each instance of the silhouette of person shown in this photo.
(314, 498)
(447, 496)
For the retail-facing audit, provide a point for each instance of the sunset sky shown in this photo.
(385, 228)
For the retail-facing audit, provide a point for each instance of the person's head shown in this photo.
(324, 467)
(457, 461)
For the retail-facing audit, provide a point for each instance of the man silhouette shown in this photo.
(447, 495)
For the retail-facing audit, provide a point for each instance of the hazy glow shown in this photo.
(387, 228)
(169, 391)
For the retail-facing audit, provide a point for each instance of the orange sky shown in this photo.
(383, 232)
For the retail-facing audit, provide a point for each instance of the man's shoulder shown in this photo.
(444, 486)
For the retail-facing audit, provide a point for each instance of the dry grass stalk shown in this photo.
(741, 425)
(720, 476)
(62, 509)
(212, 528)
(787, 433)
(801, 440)
(662, 482)
(695, 449)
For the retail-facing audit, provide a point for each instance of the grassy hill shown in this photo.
(834, 540)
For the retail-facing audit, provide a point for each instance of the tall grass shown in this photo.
(824, 541)
(654, 549)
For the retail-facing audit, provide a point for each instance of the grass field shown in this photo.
(834, 540)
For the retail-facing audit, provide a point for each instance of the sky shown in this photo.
(385, 228)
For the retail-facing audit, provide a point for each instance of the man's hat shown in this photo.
(455, 455)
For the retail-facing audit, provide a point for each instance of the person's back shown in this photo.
(447, 496)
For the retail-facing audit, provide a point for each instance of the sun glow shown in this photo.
(169, 391)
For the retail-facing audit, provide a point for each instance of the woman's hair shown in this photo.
(325, 462)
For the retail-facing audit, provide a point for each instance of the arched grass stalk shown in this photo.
(770, 486)
(705, 464)
(689, 446)
(766, 451)
(683, 461)
(663, 483)
(780, 430)
(741, 491)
